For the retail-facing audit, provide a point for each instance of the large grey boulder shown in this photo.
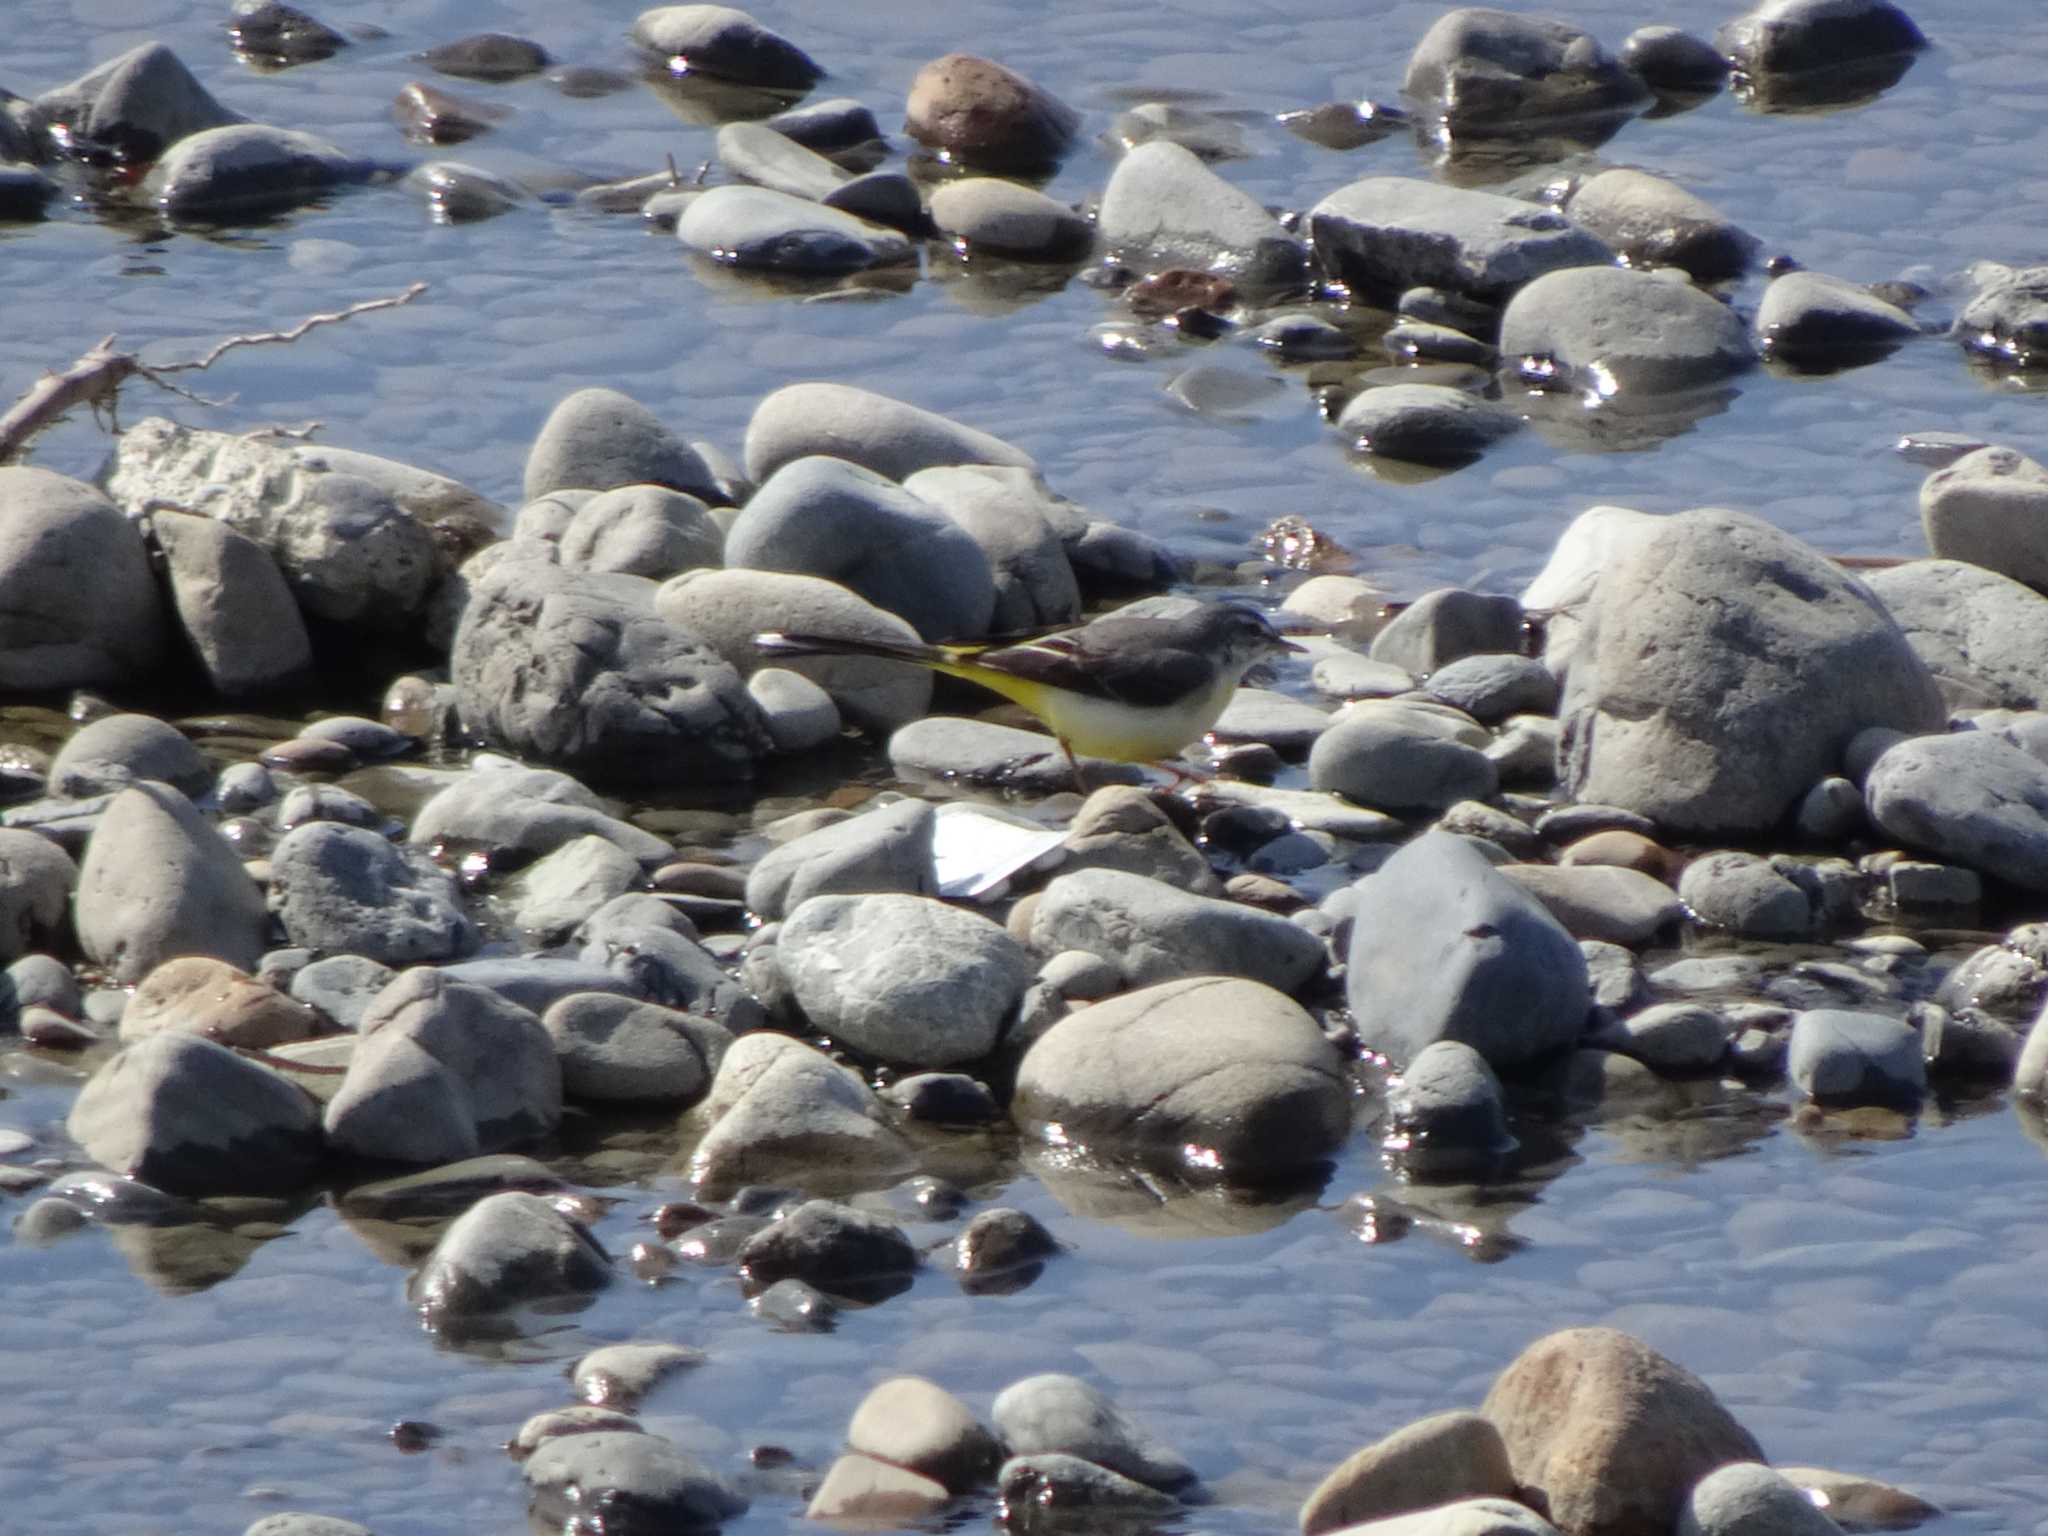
(1625, 332)
(343, 890)
(888, 436)
(1225, 1072)
(1152, 931)
(821, 516)
(349, 552)
(1792, 36)
(197, 899)
(233, 604)
(1720, 671)
(1480, 72)
(1849, 1056)
(840, 1250)
(1445, 947)
(778, 1107)
(1387, 760)
(726, 609)
(599, 439)
(1972, 799)
(904, 978)
(886, 849)
(510, 1249)
(1990, 508)
(1163, 208)
(246, 168)
(1385, 234)
(576, 668)
(78, 608)
(444, 1071)
(621, 1050)
(1981, 634)
(193, 1117)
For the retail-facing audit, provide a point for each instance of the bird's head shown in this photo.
(1242, 636)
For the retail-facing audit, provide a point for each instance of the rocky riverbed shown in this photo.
(1574, 1042)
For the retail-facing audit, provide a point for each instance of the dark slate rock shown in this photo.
(508, 1250)
(1815, 322)
(248, 168)
(1791, 36)
(575, 668)
(1444, 947)
(1672, 62)
(137, 104)
(1480, 71)
(840, 1250)
(726, 44)
(754, 227)
(493, 57)
(278, 36)
(1425, 424)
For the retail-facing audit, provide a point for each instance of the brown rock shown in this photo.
(1624, 850)
(1176, 289)
(858, 1490)
(975, 111)
(200, 995)
(915, 1424)
(1121, 826)
(1610, 1432)
(1433, 1461)
(1860, 1503)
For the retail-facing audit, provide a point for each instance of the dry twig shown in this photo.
(96, 378)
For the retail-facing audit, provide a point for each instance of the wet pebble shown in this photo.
(973, 111)
(495, 57)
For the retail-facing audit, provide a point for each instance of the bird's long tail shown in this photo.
(789, 643)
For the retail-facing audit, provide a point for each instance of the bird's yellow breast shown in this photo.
(1123, 733)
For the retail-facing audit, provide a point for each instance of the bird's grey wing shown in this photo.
(1120, 659)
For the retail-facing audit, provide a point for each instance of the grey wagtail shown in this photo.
(1130, 688)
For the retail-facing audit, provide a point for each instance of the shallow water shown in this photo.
(1868, 1304)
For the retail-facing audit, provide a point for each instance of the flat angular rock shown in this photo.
(78, 607)
(1225, 1071)
(445, 1070)
(725, 43)
(347, 890)
(1815, 322)
(1484, 72)
(233, 604)
(1610, 1432)
(973, 111)
(1970, 799)
(1155, 932)
(1621, 332)
(726, 609)
(599, 439)
(1654, 222)
(523, 813)
(1445, 947)
(1721, 671)
(888, 849)
(138, 103)
(764, 230)
(1425, 423)
(1082, 1488)
(1165, 209)
(830, 126)
(987, 215)
(760, 155)
(576, 668)
(507, 1250)
(210, 998)
(350, 553)
(862, 1490)
(820, 516)
(1122, 827)
(1981, 634)
(1385, 234)
(890, 437)
(1842, 1056)
(190, 1116)
(777, 1106)
(1467, 1517)
(904, 978)
(1990, 508)
(198, 899)
(1437, 1460)
(1620, 906)
(1064, 1415)
(980, 752)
